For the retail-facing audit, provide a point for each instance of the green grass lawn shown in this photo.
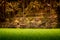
(29, 34)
